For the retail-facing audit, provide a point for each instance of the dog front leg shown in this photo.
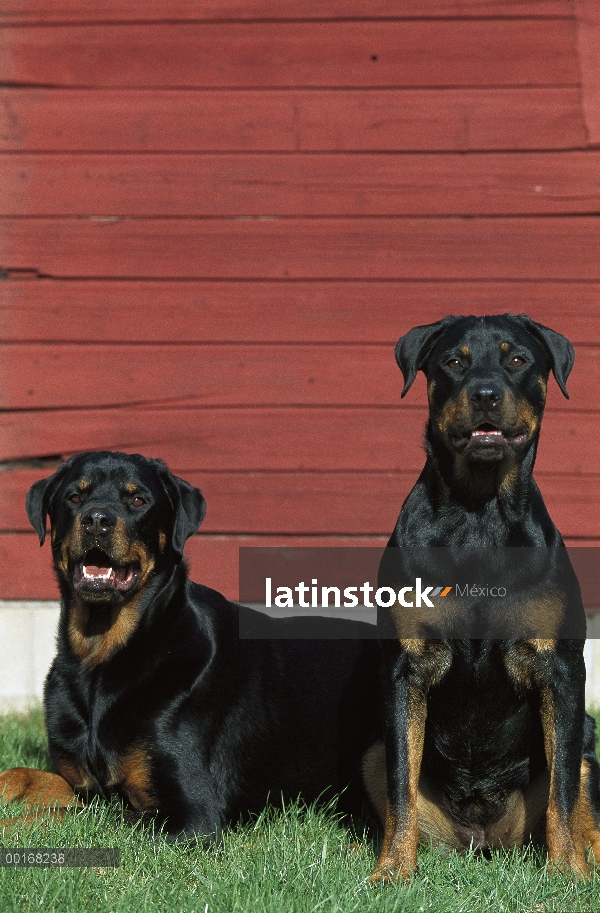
(562, 702)
(405, 710)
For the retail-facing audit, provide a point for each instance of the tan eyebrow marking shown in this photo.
(464, 351)
(83, 484)
(505, 346)
(131, 487)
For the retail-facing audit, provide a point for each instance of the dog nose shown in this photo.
(486, 397)
(98, 521)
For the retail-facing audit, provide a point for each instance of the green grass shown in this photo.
(297, 861)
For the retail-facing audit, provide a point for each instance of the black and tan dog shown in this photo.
(487, 743)
(154, 696)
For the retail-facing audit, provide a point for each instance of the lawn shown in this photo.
(295, 861)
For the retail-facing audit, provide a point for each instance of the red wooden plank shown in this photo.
(70, 376)
(588, 43)
(300, 185)
(572, 504)
(173, 10)
(407, 53)
(26, 568)
(357, 503)
(261, 439)
(213, 560)
(257, 248)
(47, 310)
(290, 120)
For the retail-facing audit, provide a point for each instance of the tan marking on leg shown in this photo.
(37, 788)
(564, 838)
(584, 815)
(398, 858)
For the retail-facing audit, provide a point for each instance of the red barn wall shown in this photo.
(217, 218)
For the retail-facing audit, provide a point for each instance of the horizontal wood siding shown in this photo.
(318, 248)
(40, 11)
(216, 223)
(547, 183)
(272, 54)
(197, 311)
(290, 120)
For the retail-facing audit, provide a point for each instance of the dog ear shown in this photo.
(559, 350)
(38, 500)
(190, 509)
(412, 350)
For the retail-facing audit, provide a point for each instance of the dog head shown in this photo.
(486, 380)
(115, 519)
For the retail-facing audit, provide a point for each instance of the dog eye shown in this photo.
(454, 364)
(75, 499)
(138, 502)
(516, 362)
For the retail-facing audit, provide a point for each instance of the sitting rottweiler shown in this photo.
(487, 742)
(153, 695)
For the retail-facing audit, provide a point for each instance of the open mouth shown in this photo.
(97, 572)
(488, 435)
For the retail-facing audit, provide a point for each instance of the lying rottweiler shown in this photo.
(153, 695)
(487, 743)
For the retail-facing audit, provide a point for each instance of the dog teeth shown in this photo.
(102, 573)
